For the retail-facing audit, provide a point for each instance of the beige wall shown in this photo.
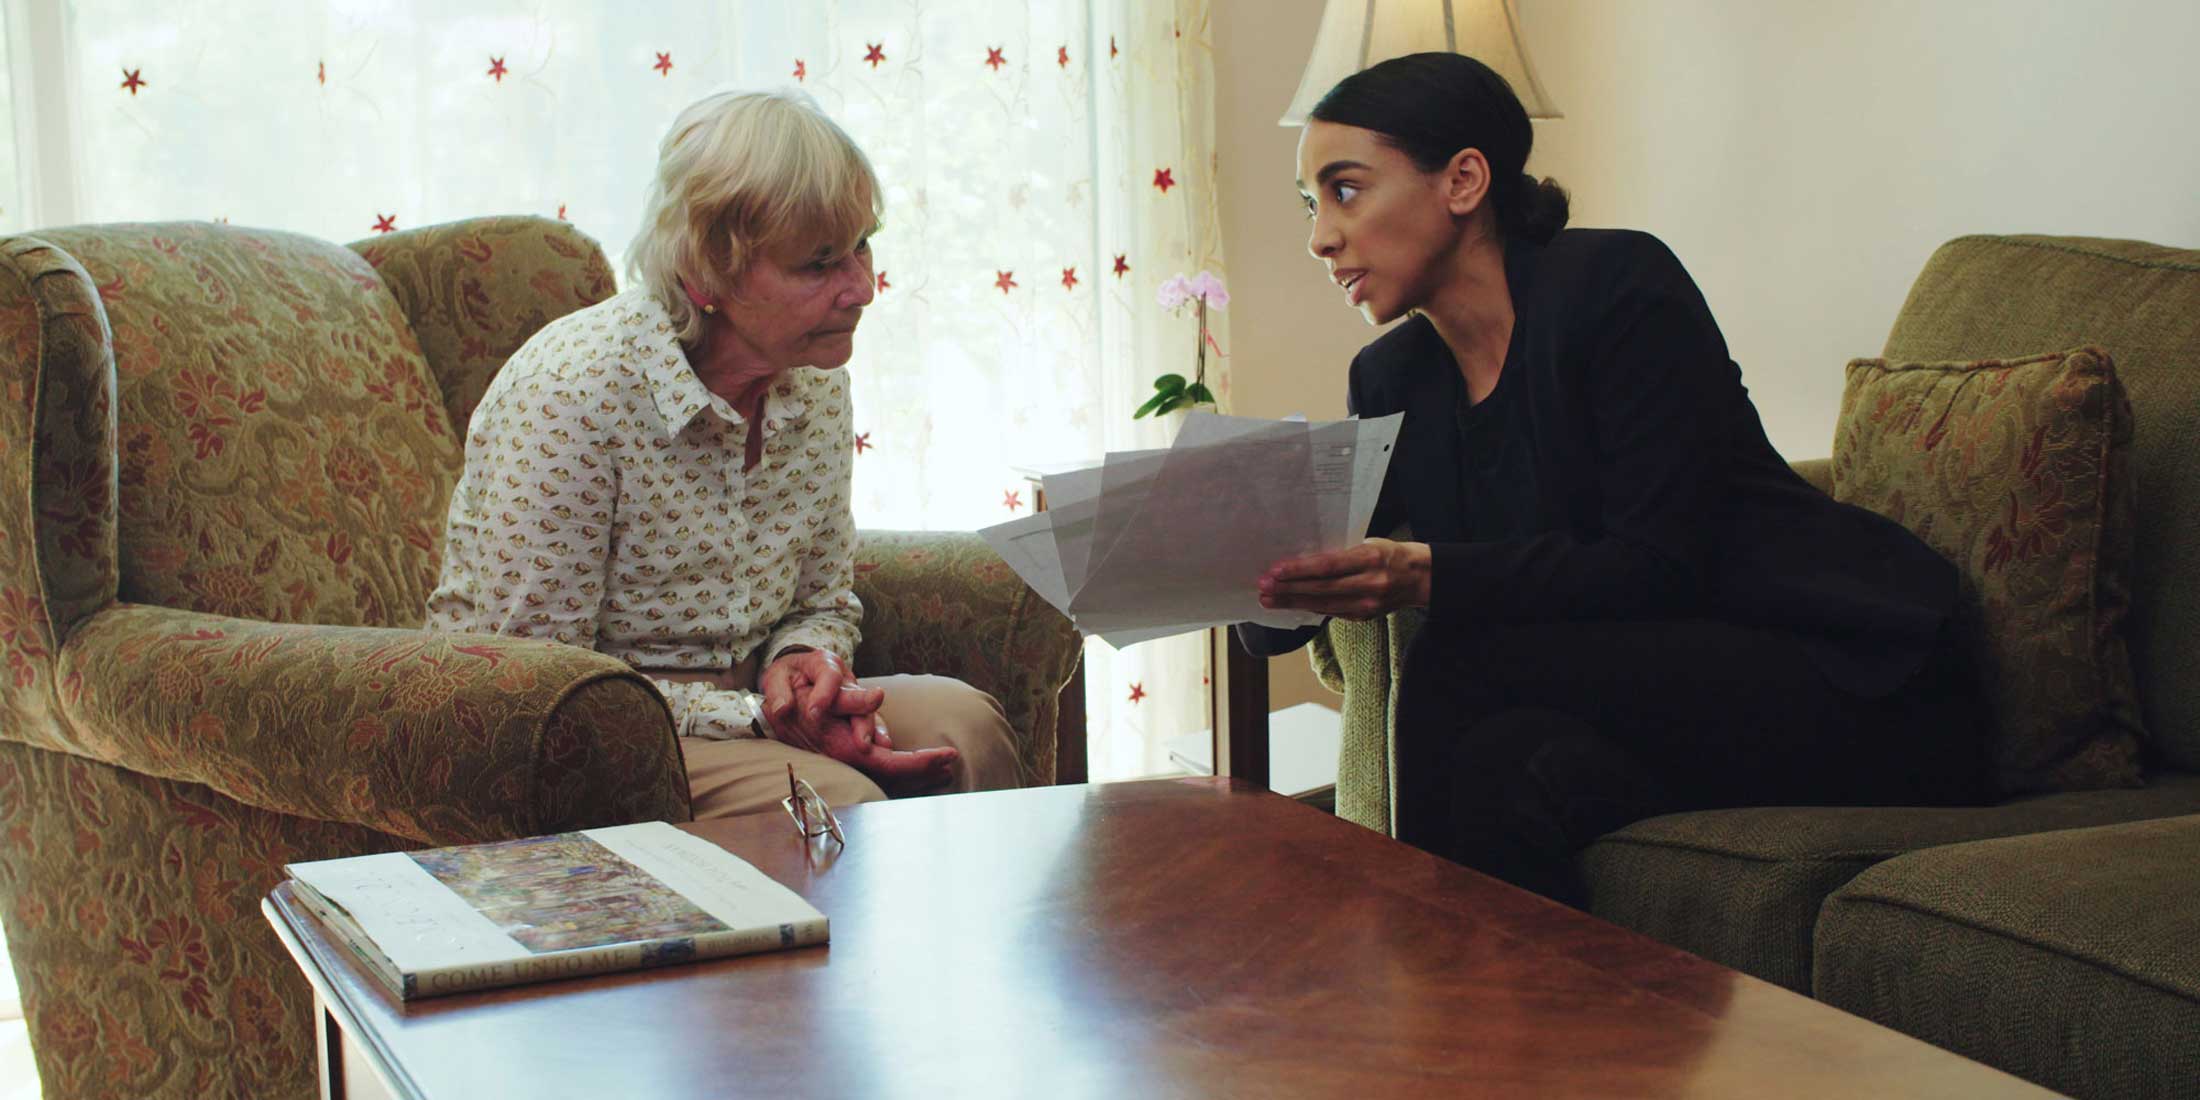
(1802, 158)
(1292, 336)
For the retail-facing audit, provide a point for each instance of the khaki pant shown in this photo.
(749, 775)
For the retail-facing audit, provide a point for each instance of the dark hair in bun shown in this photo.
(1431, 105)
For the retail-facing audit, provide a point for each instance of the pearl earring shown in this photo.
(709, 309)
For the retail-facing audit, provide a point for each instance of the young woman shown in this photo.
(1634, 605)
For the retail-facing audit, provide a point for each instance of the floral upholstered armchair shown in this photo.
(224, 460)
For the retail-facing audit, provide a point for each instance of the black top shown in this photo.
(1496, 449)
(1650, 491)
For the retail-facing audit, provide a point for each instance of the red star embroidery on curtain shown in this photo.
(1138, 691)
(1061, 57)
(561, 212)
(1112, 51)
(385, 223)
(882, 283)
(1011, 499)
(863, 442)
(800, 70)
(320, 71)
(497, 69)
(1069, 278)
(663, 65)
(132, 81)
(1122, 265)
(1004, 281)
(874, 53)
(993, 59)
(1163, 179)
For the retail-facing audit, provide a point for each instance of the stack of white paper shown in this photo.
(1153, 543)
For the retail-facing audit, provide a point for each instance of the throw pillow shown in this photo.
(2018, 471)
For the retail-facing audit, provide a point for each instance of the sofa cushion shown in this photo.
(2019, 472)
(2069, 958)
(1743, 887)
(2007, 296)
(284, 451)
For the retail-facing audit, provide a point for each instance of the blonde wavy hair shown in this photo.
(743, 175)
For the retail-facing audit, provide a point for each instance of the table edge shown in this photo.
(279, 910)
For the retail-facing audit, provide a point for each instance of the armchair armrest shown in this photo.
(441, 738)
(945, 603)
(475, 290)
(1321, 653)
(1365, 660)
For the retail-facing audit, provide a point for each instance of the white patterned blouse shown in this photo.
(603, 504)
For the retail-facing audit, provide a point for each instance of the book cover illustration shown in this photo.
(565, 891)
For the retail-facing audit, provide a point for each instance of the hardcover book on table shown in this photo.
(448, 920)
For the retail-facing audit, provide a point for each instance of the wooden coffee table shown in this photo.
(1175, 938)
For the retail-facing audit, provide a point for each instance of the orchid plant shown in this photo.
(1171, 391)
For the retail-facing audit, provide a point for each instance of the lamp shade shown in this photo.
(1357, 33)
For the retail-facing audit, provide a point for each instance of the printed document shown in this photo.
(1153, 543)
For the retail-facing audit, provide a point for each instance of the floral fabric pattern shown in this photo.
(471, 305)
(132, 908)
(283, 447)
(160, 763)
(57, 461)
(2019, 472)
(433, 737)
(130, 896)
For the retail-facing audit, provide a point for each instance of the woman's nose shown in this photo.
(862, 286)
(1323, 241)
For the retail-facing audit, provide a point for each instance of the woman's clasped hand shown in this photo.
(811, 701)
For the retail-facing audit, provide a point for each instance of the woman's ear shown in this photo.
(701, 302)
(1466, 182)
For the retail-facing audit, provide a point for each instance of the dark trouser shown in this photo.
(1520, 744)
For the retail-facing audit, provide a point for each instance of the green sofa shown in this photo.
(224, 460)
(2054, 936)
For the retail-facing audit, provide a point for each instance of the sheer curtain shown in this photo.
(1047, 164)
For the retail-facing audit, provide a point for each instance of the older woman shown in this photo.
(664, 477)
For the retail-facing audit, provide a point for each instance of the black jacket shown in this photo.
(1657, 494)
